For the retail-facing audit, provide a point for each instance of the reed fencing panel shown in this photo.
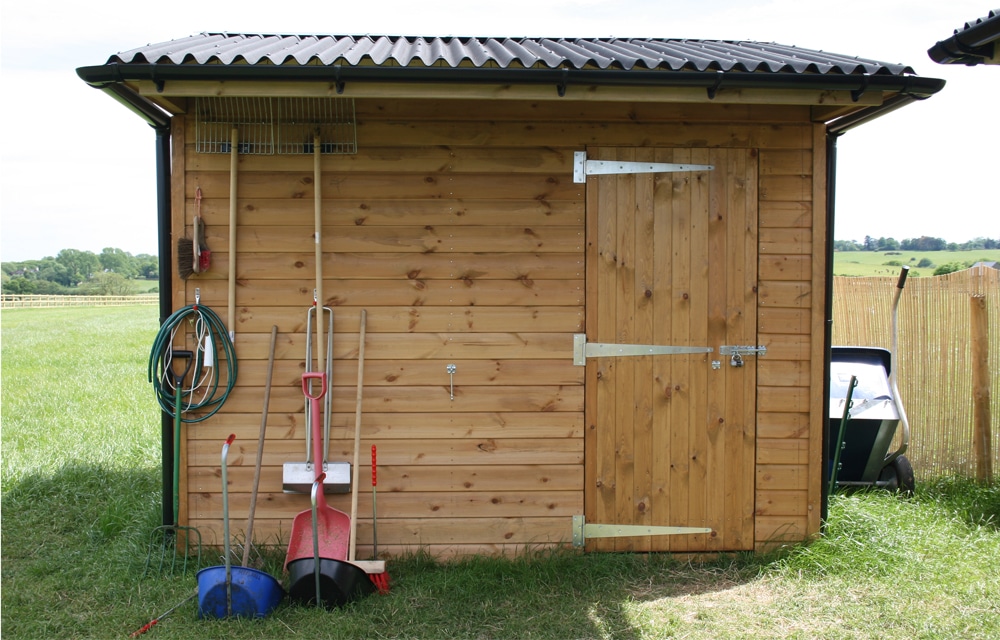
(936, 358)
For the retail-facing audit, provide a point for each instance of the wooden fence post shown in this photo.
(981, 436)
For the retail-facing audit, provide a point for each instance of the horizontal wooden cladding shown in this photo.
(439, 159)
(373, 212)
(783, 425)
(461, 451)
(395, 293)
(795, 241)
(782, 373)
(782, 451)
(525, 478)
(392, 186)
(785, 267)
(783, 399)
(774, 531)
(422, 399)
(786, 162)
(780, 215)
(379, 426)
(781, 503)
(565, 109)
(419, 533)
(419, 319)
(408, 265)
(779, 320)
(410, 238)
(791, 294)
(414, 504)
(418, 346)
(417, 373)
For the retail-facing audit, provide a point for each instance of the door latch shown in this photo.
(736, 353)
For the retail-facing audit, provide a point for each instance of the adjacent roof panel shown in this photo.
(552, 53)
(977, 42)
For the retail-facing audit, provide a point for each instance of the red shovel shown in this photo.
(333, 527)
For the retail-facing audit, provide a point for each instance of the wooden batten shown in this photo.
(458, 228)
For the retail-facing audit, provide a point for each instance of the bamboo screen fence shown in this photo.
(940, 319)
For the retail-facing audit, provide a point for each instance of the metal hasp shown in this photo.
(582, 530)
(583, 350)
(583, 167)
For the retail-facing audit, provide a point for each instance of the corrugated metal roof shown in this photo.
(974, 43)
(552, 53)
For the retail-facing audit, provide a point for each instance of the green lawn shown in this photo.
(877, 263)
(80, 495)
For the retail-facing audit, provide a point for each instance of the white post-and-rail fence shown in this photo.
(18, 301)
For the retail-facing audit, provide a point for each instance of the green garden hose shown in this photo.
(203, 397)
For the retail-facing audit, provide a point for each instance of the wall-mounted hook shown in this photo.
(451, 369)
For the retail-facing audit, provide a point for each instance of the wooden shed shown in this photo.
(596, 274)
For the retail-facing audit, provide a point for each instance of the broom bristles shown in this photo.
(185, 258)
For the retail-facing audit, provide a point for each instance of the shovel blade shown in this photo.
(333, 533)
(297, 477)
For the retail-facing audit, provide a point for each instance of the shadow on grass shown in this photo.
(75, 544)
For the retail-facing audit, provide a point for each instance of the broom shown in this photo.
(193, 255)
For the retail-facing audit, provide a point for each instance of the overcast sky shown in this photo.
(78, 169)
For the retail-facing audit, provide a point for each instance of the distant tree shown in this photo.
(80, 264)
(887, 244)
(846, 245)
(110, 284)
(870, 244)
(950, 267)
(148, 266)
(925, 263)
(118, 261)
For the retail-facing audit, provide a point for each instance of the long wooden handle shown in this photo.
(318, 224)
(260, 446)
(234, 161)
(357, 438)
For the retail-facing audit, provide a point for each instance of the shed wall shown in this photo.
(458, 228)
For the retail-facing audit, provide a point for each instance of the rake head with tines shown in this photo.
(169, 553)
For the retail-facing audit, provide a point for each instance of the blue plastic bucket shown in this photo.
(255, 594)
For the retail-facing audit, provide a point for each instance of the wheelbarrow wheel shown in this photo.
(897, 476)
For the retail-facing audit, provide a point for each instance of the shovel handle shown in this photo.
(902, 276)
(311, 375)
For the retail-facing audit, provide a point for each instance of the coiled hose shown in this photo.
(204, 393)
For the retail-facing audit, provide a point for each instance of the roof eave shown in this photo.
(977, 44)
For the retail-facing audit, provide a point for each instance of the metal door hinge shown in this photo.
(582, 530)
(583, 350)
(583, 167)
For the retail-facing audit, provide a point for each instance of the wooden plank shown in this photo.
(783, 373)
(796, 294)
(784, 320)
(426, 504)
(417, 533)
(378, 426)
(782, 215)
(409, 265)
(623, 297)
(786, 188)
(396, 293)
(397, 159)
(783, 451)
(785, 267)
(797, 241)
(785, 346)
(781, 476)
(418, 319)
(781, 503)
(375, 211)
(783, 399)
(402, 239)
(776, 531)
(298, 185)
(466, 451)
(408, 478)
(786, 162)
(782, 425)
(423, 399)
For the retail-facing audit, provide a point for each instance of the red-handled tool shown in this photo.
(149, 625)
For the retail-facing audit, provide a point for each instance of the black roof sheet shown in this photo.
(553, 53)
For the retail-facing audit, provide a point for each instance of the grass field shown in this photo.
(877, 263)
(80, 495)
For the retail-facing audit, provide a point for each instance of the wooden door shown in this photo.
(672, 260)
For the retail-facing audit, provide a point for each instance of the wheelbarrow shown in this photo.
(226, 590)
(861, 433)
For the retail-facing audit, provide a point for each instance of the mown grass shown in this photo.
(80, 494)
(887, 263)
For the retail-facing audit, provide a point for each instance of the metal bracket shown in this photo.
(451, 369)
(582, 531)
(583, 350)
(583, 167)
(742, 350)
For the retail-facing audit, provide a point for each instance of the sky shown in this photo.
(77, 170)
